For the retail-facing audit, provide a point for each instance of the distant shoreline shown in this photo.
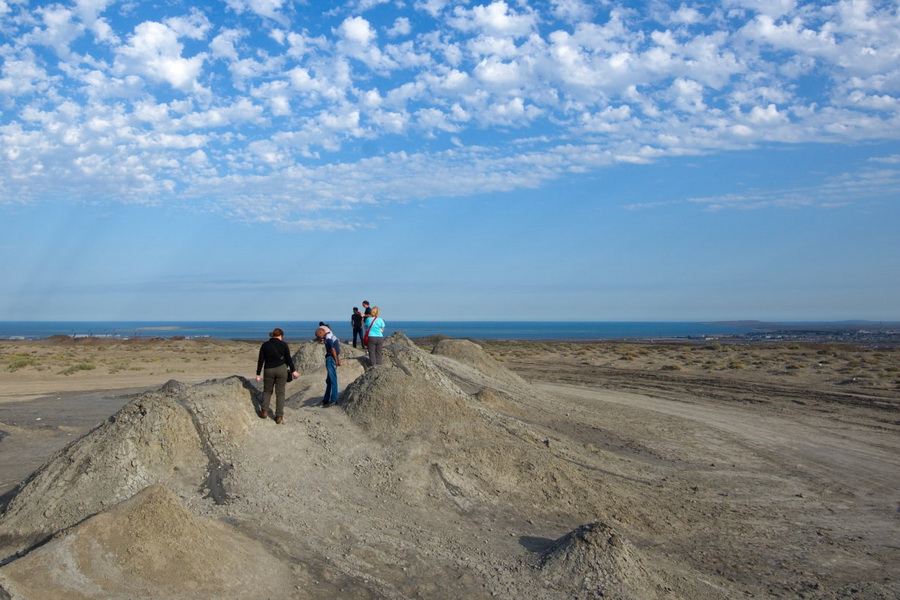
(486, 330)
(810, 325)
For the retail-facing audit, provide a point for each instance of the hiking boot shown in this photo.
(279, 419)
(263, 414)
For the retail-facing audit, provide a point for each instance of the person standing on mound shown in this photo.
(375, 333)
(274, 355)
(356, 321)
(332, 362)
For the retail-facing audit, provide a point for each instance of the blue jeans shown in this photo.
(331, 382)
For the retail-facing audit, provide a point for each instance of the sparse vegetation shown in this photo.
(78, 367)
(20, 361)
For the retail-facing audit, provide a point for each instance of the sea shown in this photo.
(300, 330)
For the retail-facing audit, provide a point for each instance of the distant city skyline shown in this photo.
(559, 160)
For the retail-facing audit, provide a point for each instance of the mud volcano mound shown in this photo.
(165, 437)
(599, 563)
(471, 354)
(167, 553)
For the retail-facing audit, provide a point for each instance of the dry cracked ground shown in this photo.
(455, 470)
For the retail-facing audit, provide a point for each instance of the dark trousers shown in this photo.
(274, 379)
(375, 346)
(357, 331)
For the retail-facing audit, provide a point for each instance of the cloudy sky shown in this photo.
(450, 160)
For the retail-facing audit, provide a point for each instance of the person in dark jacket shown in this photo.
(275, 357)
(356, 321)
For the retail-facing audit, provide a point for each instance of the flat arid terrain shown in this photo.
(458, 469)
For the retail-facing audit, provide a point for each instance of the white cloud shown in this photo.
(401, 27)
(358, 40)
(768, 8)
(224, 44)
(585, 83)
(687, 15)
(610, 120)
(365, 5)
(89, 12)
(893, 159)
(277, 95)
(494, 19)
(357, 30)
(59, 29)
(834, 191)
(687, 95)
(432, 7)
(766, 116)
(22, 76)
(499, 74)
(572, 11)
(153, 51)
(243, 110)
(194, 26)
(269, 9)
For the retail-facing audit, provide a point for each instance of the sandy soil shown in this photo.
(523, 470)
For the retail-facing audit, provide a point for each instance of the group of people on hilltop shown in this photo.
(275, 365)
(373, 338)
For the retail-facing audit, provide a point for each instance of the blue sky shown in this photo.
(561, 160)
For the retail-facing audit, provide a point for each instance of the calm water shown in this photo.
(521, 330)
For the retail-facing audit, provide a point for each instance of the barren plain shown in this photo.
(488, 469)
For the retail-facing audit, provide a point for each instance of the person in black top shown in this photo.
(274, 355)
(356, 320)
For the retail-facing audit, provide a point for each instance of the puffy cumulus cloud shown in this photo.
(154, 51)
(499, 74)
(612, 120)
(573, 11)
(431, 7)
(494, 19)
(57, 29)
(687, 95)
(357, 39)
(22, 76)
(401, 27)
(766, 115)
(240, 112)
(356, 31)
(224, 45)
(270, 88)
(89, 13)
(686, 15)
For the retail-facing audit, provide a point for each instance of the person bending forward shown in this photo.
(332, 362)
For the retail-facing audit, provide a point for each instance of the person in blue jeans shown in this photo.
(332, 362)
